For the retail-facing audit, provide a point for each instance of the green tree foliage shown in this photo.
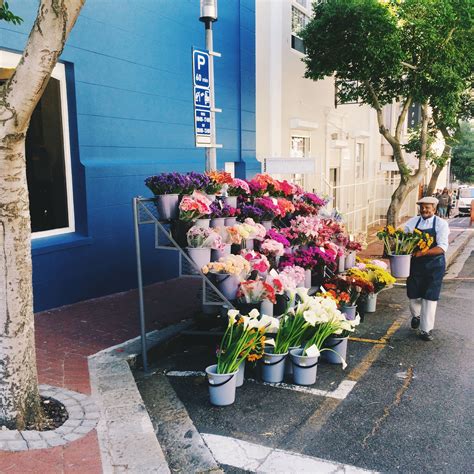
(7, 15)
(462, 161)
(385, 51)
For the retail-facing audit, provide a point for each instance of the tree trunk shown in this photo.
(19, 397)
(398, 198)
(434, 179)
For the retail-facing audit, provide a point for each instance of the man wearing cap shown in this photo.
(427, 268)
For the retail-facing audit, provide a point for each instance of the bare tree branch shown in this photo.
(402, 117)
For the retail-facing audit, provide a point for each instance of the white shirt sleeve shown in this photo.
(442, 234)
(410, 224)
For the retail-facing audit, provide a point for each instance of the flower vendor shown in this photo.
(427, 267)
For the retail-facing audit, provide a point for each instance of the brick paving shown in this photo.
(66, 336)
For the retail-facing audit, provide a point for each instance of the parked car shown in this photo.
(465, 197)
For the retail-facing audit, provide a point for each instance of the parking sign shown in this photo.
(202, 97)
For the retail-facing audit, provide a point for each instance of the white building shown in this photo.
(302, 135)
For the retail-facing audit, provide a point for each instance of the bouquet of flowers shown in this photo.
(342, 291)
(285, 207)
(399, 242)
(238, 187)
(249, 211)
(314, 200)
(195, 182)
(268, 206)
(303, 230)
(232, 235)
(291, 276)
(274, 280)
(261, 184)
(258, 262)
(255, 291)
(311, 258)
(167, 183)
(250, 229)
(230, 264)
(272, 248)
(199, 237)
(194, 207)
(378, 276)
(217, 179)
(220, 209)
(278, 237)
(244, 336)
(286, 189)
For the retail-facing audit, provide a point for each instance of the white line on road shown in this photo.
(258, 458)
(458, 264)
(340, 393)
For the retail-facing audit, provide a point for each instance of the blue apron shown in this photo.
(426, 273)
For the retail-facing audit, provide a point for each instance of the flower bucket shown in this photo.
(288, 363)
(307, 278)
(204, 223)
(240, 375)
(200, 256)
(221, 386)
(228, 285)
(350, 259)
(273, 366)
(350, 312)
(280, 306)
(370, 303)
(267, 224)
(167, 206)
(248, 244)
(341, 264)
(179, 229)
(211, 197)
(337, 344)
(245, 308)
(304, 367)
(266, 307)
(217, 222)
(400, 265)
(217, 254)
(231, 201)
(230, 221)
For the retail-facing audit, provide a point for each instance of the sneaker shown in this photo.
(426, 336)
(415, 322)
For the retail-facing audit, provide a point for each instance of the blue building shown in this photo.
(120, 108)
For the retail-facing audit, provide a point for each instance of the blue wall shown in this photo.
(131, 115)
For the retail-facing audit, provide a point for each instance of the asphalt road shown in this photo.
(410, 410)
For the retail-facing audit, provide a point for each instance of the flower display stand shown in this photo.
(145, 213)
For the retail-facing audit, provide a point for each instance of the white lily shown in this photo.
(246, 321)
(271, 324)
(303, 294)
(310, 317)
(232, 314)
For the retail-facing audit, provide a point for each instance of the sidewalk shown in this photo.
(66, 336)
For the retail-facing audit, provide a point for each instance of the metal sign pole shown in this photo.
(211, 155)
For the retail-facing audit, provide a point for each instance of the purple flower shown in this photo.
(196, 182)
(273, 234)
(248, 210)
(166, 183)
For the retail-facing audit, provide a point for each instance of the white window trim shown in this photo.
(10, 60)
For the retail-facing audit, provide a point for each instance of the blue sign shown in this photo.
(202, 98)
(202, 120)
(200, 68)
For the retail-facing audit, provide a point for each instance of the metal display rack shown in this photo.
(146, 213)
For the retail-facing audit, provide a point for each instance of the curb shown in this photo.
(127, 439)
(458, 245)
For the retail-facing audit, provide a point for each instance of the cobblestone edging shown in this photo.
(83, 417)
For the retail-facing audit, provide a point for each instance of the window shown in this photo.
(359, 160)
(300, 148)
(299, 20)
(48, 163)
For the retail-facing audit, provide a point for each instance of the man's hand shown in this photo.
(418, 253)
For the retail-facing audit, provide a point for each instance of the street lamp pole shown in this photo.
(208, 16)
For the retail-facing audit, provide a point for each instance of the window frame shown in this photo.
(10, 60)
(304, 11)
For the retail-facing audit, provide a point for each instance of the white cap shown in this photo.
(428, 200)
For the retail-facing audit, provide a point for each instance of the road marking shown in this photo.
(253, 457)
(340, 393)
(370, 341)
(458, 264)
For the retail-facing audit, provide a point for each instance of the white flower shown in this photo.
(270, 342)
(269, 323)
(232, 313)
(254, 313)
(312, 351)
(303, 294)
(246, 321)
(310, 317)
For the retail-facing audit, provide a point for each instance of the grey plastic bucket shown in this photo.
(267, 224)
(341, 264)
(167, 206)
(217, 222)
(288, 363)
(337, 344)
(200, 256)
(248, 244)
(221, 386)
(350, 259)
(350, 312)
(216, 254)
(204, 223)
(371, 303)
(400, 265)
(273, 367)
(231, 201)
(240, 375)
(230, 221)
(305, 368)
(228, 285)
